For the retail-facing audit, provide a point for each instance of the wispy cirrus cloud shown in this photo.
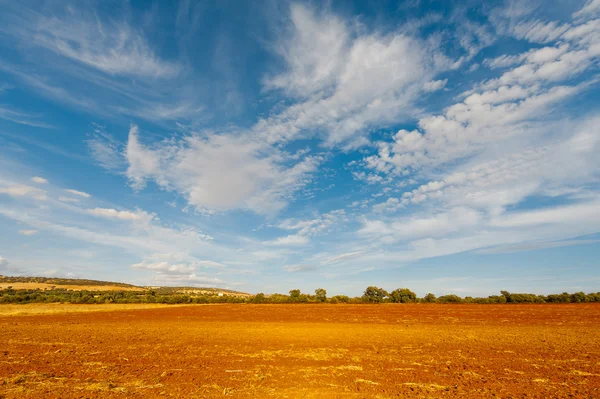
(109, 45)
(22, 118)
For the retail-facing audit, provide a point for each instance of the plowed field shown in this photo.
(305, 351)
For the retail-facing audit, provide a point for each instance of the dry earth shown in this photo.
(304, 351)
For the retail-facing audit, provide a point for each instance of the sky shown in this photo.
(447, 147)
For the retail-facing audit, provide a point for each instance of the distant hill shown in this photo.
(196, 291)
(76, 284)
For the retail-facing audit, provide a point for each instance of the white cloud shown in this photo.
(22, 118)
(344, 257)
(314, 52)
(28, 232)
(438, 225)
(220, 172)
(589, 10)
(79, 193)
(293, 239)
(39, 180)
(507, 141)
(575, 213)
(7, 269)
(113, 47)
(178, 267)
(434, 85)
(469, 127)
(21, 190)
(195, 279)
(68, 199)
(323, 223)
(308, 228)
(349, 81)
(492, 181)
(138, 215)
(533, 246)
(151, 237)
(106, 151)
(539, 31)
(298, 268)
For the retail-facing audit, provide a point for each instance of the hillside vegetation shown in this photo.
(80, 291)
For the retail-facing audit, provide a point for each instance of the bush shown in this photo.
(374, 295)
(429, 298)
(450, 299)
(321, 294)
(258, 298)
(402, 295)
(341, 298)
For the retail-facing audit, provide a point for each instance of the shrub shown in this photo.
(374, 295)
(429, 298)
(321, 294)
(452, 298)
(403, 295)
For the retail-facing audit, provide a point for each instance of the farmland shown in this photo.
(300, 351)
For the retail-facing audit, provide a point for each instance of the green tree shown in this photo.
(452, 298)
(578, 297)
(429, 298)
(321, 294)
(258, 298)
(374, 294)
(403, 295)
(295, 294)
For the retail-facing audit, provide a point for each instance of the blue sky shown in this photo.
(448, 147)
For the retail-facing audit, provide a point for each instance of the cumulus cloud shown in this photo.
(220, 172)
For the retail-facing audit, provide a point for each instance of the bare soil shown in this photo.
(304, 351)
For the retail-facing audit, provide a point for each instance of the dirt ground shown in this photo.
(304, 351)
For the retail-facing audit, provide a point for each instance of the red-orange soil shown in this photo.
(305, 351)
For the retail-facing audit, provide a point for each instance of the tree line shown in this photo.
(371, 295)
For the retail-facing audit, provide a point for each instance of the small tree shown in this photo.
(258, 298)
(452, 298)
(295, 294)
(321, 294)
(374, 294)
(429, 298)
(578, 297)
(403, 295)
